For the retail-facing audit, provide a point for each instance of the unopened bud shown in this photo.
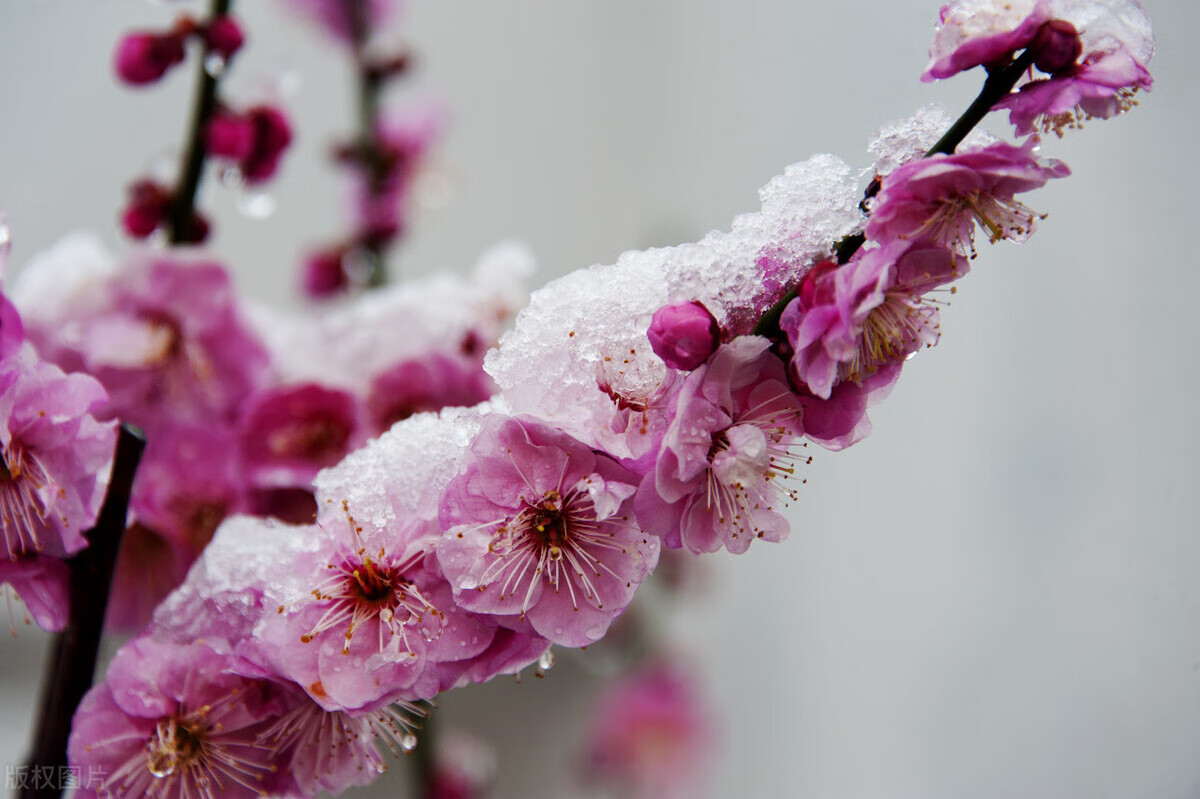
(1056, 46)
(143, 58)
(684, 334)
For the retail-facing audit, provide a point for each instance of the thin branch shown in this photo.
(181, 219)
(997, 86)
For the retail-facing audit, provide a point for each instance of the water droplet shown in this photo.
(359, 265)
(546, 661)
(214, 64)
(467, 583)
(232, 177)
(474, 639)
(408, 742)
(5, 240)
(255, 204)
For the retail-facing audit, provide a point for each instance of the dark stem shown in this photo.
(72, 664)
(181, 220)
(997, 86)
(370, 153)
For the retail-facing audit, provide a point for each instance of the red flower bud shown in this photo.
(1056, 46)
(224, 36)
(143, 58)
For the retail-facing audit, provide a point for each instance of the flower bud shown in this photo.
(229, 136)
(272, 135)
(224, 36)
(1056, 46)
(324, 274)
(684, 334)
(146, 209)
(143, 58)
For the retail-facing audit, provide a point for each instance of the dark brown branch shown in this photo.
(72, 664)
(182, 227)
(997, 86)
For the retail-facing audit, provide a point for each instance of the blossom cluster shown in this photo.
(55, 460)
(401, 547)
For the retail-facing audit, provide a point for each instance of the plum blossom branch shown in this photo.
(181, 217)
(998, 85)
(73, 662)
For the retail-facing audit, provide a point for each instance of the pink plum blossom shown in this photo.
(321, 750)
(1101, 87)
(377, 620)
(539, 534)
(289, 433)
(651, 734)
(40, 582)
(12, 331)
(716, 482)
(942, 197)
(428, 383)
(1094, 54)
(684, 334)
(850, 320)
(55, 457)
(188, 481)
(167, 340)
(971, 33)
(175, 722)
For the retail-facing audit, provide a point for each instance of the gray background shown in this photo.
(996, 595)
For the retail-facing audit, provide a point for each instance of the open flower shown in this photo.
(173, 721)
(941, 198)
(651, 735)
(717, 478)
(166, 338)
(55, 457)
(851, 320)
(538, 532)
(1093, 55)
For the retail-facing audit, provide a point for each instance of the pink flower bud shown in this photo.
(1056, 46)
(143, 58)
(684, 334)
(230, 136)
(146, 210)
(324, 275)
(224, 36)
(272, 135)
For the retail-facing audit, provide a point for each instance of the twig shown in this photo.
(181, 219)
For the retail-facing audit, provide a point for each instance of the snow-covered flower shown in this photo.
(1093, 55)
(166, 338)
(539, 534)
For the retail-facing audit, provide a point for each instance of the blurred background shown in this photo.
(996, 595)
